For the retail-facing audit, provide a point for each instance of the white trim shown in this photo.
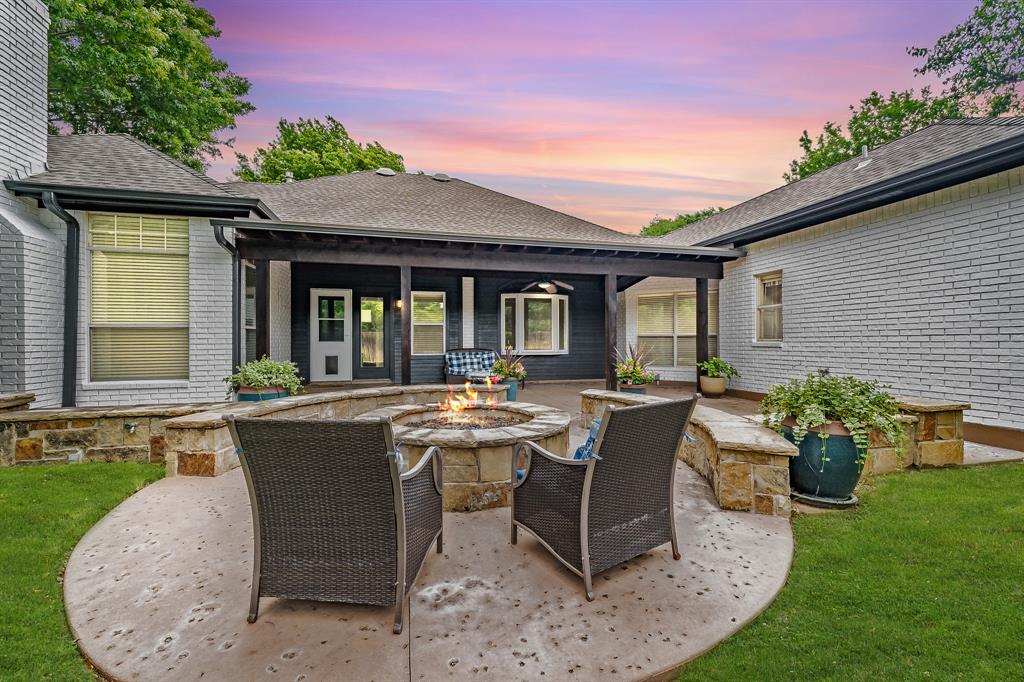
(344, 357)
(468, 321)
(521, 327)
(759, 279)
(443, 325)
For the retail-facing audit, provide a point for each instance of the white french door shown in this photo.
(330, 334)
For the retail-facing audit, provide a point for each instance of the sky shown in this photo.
(612, 111)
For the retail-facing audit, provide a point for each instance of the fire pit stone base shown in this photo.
(477, 463)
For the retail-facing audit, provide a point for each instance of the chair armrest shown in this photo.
(529, 448)
(430, 462)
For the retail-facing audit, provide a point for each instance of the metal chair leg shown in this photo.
(399, 612)
(675, 548)
(440, 541)
(515, 533)
(588, 582)
(254, 601)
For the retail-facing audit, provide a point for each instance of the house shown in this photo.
(130, 278)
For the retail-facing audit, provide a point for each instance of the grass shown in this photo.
(44, 511)
(925, 581)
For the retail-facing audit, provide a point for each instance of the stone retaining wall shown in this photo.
(746, 463)
(200, 445)
(116, 434)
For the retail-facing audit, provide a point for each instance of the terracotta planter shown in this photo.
(250, 394)
(712, 387)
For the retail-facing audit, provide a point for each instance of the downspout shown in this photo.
(236, 296)
(71, 246)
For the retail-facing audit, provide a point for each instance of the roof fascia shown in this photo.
(979, 163)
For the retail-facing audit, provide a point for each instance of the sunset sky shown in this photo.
(612, 111)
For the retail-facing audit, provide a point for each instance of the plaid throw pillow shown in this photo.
(460, 362)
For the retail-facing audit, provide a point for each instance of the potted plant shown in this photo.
(829, 418)
(631, 370)
(509, 370)
(264, 379)
(715, 377)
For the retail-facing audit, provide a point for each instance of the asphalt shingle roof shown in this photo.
(416, 202)
(119, 161)
(934, 144)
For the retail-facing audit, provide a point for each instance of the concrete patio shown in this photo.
(158, 590)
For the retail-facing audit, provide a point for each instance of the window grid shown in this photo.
(768, 315)
(429, 314)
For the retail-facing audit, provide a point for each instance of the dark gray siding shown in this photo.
(586, 313)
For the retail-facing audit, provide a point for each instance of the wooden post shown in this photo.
(702, 321)
(406, 323)
(262, 308)
(611, 307)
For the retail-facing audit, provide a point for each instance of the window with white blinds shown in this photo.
(138, 323)
(769, 307)
(667, 328)
(535, 324)
(428, 326)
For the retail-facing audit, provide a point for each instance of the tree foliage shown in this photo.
(144, 68)
(311, 148)
(659, 226)
(876, 121)
(981, 61)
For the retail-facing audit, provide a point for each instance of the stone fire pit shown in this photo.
(476, 461)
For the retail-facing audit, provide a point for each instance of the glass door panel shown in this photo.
(371, 331)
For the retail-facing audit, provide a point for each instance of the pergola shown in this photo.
(620, 264)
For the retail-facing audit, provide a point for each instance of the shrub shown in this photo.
(265, 373)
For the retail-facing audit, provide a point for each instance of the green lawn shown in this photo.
(925, 581)
(43, 513)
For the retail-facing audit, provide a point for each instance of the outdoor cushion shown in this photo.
(586, 451)
(459, 362)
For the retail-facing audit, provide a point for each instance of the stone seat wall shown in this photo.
(746, 464)
(200, 444)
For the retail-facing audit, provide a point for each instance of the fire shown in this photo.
(457, 403)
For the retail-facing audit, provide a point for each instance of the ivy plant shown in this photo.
(265, 373)
(860, 406)
(718, 368)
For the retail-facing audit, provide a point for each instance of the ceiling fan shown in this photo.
(549, 285)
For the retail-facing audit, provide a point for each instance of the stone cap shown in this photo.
(263, 408)
(543, 422)
(931, 405)
(728, 431)
(166, 411)
(10, 401)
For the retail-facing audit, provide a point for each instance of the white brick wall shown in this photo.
(23, 60)
(280, 310)
(926, 294)
(209, 330)
(657, 285)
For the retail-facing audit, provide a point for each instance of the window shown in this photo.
(667, 328)
(138, 324)
(428, 328)
(769, 307)
(535, 324)
(250, 311)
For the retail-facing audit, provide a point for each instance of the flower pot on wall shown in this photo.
(712, 387)
(825, 472)
(633, 388)
(513, 389)
(249, 393)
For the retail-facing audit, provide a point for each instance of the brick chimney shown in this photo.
(23, 57)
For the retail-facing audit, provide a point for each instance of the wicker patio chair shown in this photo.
(596, 513)
(333, 518)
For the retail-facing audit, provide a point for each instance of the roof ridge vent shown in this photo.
(441, 177)
(386, 172)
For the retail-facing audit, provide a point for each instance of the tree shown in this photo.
(981, 61)
(659, 226)
(144, 68)
(876, 121)
(312, 148)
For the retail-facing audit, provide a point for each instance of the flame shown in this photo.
(456, 403)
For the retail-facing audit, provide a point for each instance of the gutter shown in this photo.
(236, 296)
(125, 198)
(642, 247)
(71, 275)
(979, 163)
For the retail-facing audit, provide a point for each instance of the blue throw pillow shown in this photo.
(586, 451)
